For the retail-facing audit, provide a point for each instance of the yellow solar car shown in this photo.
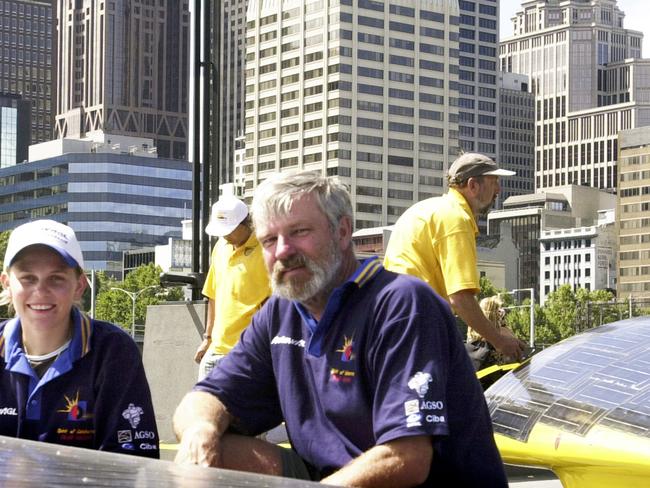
(581, 408)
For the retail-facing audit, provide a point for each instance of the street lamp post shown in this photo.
(133, 295)
(532, 311)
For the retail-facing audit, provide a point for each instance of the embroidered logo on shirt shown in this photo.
(414, 420)
(288, 341)
(133, 415)
(347, 351)
(411, 406)
(419, 383)
(124, 436)
(76, 409)
(8, 411)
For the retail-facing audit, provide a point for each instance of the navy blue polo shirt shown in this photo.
(94, 395)
(385, 361)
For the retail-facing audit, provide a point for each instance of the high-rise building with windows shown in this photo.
(15, 129)
(228, 118)
(364, 89)
(478, 76)
(632, 214)
(516, 135)
(26, 59)
(122, 69)
(116, 196)
(588, 83)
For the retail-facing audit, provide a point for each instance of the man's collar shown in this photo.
(462, 201)
(367, 270)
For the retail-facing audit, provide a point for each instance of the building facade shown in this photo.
(517, 134)
(26, 50)
(228, 118)
(478, 57)
(365, 90)
(583, 257)
(114, 200)
(529, 215)
(15, 129)
(632, 214)
(579, 58)
(123, 69)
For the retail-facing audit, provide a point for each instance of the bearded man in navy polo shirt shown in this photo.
(366, 367)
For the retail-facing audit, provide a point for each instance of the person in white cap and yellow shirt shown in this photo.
(237, 284)
(435, 240)
(66, 378)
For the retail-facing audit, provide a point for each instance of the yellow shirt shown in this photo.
(238, 283)
(435, 240)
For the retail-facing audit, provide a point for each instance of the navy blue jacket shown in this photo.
(95, 394)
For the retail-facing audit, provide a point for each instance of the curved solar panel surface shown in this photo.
(30, 464)
(598, 378)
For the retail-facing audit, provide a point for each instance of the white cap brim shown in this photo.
(499, 172)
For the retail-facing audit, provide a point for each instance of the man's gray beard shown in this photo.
(321, 281)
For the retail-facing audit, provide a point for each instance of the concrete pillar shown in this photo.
(173, 331)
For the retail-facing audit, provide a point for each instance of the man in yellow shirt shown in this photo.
(435, 240)
(237, 284)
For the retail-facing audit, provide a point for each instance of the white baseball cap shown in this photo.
(227, 213)
(49, 233)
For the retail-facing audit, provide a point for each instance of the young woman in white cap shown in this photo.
(65, 378)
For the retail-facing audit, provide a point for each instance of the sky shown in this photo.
(636, 13)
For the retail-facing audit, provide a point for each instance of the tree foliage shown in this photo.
(565, 313)
(115, 306)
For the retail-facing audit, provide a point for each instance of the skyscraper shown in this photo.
(123, 69)
(366, 90)
(229, 120)
(588, 82)
(517, 135)
(15, 129)
(478, 75)
(26, 59)
(632, 214)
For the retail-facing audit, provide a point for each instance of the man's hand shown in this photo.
(508, 345)
(201, 350)
(200, 445)
(199, 422)
(503, 340)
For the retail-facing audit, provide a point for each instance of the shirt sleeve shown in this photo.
(124, 416)
(409, 365)
(244, 381)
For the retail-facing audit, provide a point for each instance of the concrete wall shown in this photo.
(172, 334)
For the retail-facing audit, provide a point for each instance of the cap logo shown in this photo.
(58, 235)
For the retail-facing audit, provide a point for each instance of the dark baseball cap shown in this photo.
(473, 164)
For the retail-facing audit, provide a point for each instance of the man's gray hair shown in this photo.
(275, 196)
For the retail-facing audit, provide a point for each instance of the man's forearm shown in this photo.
(199, 406)
(199, 423)
(209, 321)
(402, 462)
(468, 309)
(466, 306)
